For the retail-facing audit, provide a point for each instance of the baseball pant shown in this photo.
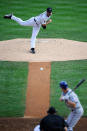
(37, 128)
(29, 22)
(73, 118)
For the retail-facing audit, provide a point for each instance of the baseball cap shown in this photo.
(49, 10)
(51, 110)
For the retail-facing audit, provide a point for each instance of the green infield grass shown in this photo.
(69, 19)
(72, 72)
(13, 84)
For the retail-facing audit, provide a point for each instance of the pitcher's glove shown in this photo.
(44, 26)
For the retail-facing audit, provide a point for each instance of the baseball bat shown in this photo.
(83, 80)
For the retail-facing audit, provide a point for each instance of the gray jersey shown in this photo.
(74, 98)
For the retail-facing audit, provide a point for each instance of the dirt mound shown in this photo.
(46, 50)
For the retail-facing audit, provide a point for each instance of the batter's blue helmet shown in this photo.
(63, 84)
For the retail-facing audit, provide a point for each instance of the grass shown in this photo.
(13, 84)
(69, 19)
(69, 22)
(72, 72)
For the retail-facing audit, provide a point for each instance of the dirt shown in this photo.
(28, 124)
(37, 101)
(38, 91)
(46, 50)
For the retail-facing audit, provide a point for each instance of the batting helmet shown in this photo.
(63, 84)
(49, 10)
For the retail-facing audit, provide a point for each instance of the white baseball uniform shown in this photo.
(35, 22)
(76, 112)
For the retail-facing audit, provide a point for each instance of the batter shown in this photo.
(72, 102)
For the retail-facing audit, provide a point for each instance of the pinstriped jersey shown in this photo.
(42, 18)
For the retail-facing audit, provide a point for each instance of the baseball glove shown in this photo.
(44, 26)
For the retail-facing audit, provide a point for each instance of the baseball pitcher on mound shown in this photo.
(36, 22)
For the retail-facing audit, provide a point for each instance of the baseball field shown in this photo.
(29, 83)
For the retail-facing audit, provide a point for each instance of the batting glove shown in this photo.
(65, 98)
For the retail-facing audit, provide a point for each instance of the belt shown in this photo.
(35, 21)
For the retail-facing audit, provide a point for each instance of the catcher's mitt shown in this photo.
(44, 26)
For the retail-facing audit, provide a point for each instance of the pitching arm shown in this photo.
(49, 21)
(44, 25)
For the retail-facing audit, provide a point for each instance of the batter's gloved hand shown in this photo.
(44, 26)
(65, 98)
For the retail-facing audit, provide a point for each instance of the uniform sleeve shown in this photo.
(44, 19)
(73, 98)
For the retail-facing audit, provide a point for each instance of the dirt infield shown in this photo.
(38, 92)
(28, 124)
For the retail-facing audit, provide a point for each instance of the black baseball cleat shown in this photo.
(32, 50)
(8, 16)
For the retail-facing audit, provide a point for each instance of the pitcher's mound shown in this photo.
(46, 50)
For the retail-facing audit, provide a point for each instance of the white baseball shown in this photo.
(41, 68)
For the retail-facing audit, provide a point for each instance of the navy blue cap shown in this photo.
(49, 10)
(51, 110)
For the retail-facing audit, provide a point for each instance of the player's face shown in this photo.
(63, 90)
(49, 14)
